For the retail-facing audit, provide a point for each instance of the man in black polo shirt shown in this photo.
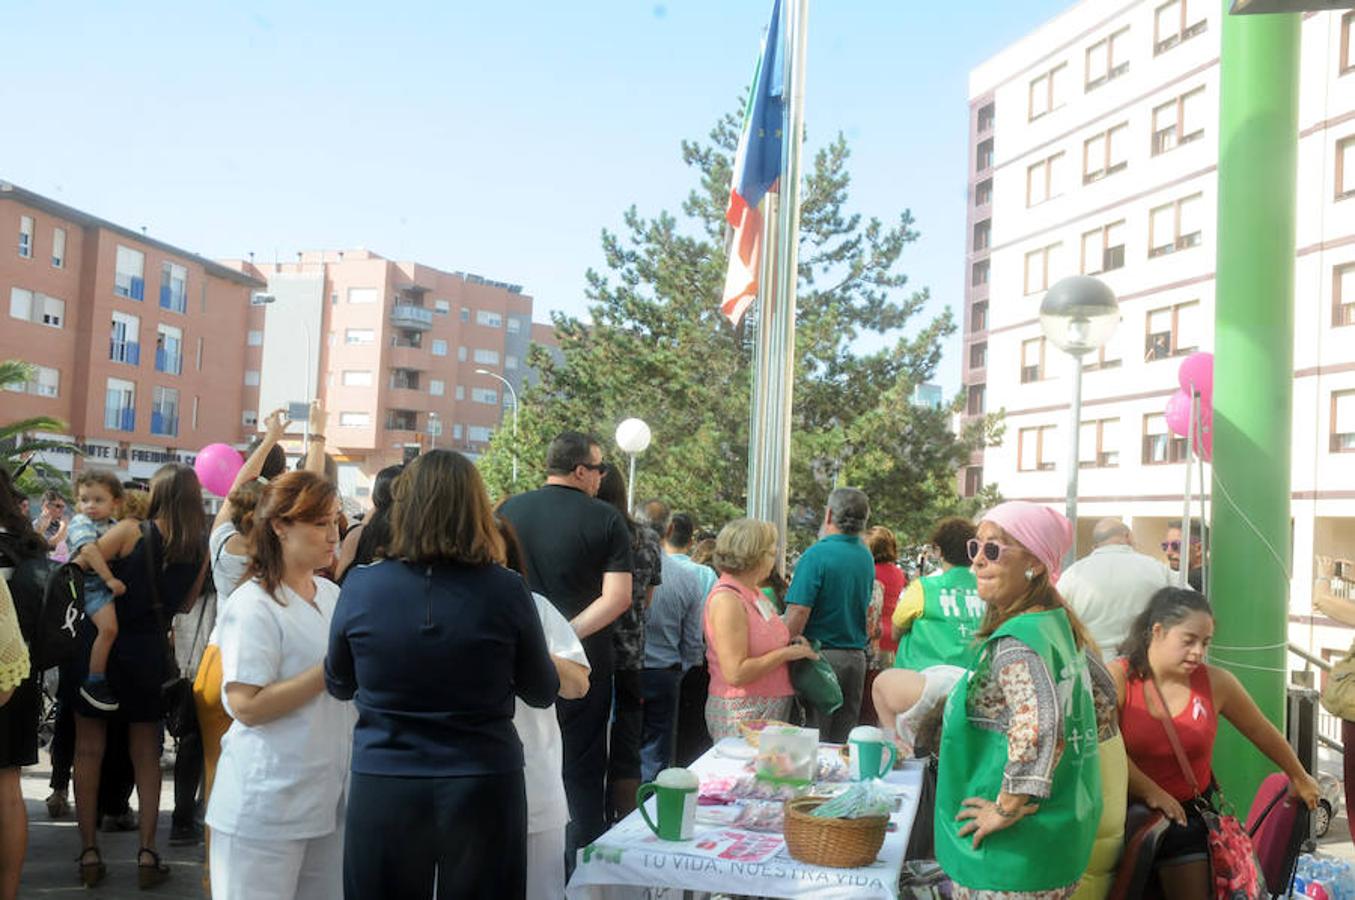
(577, 551)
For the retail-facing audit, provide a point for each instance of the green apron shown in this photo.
(1049, 849)
(944, 633)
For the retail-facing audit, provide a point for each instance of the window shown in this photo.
(37, 308)
(254, 338)
(402, 420)
(1032, 360)
(46, 383)
(456, 430)
(354, 419)
(58, 248)
(168, 349)
(978, 274)
(441, 307)
(406, 379)
(1343, 295)
(1035, 448)
(1347, 63)
(978, 355)
(1046, 92)
(987, 117)
(984, 159)
(510, 362)
(1103, 248)
(460, 392)
(120, 405)
(362, 295)
(249, 418)
(165, 411)
(977, 401)
(251, 377)
(1105, 153)
(1160, 446)
(198, 363)
(25, 237)
(1098, 445)
(978, 316)
(195, 412)
(1345, 175)
(461, 353)
(487, 396)
(983, 234)
(439, 347)
(173, 287)
(486, 357)
(123, 343)
(437, 387)
(465, 314)
(1179, 121)
(479, 434)
(1175, 226)
(130, 278)
(359, 336)
(1040, 264)
(983, 192)
(1172, 331)
(514, 325)
(1107, 356)
(1043, 180)
(488, 318)
(1177, 21)
(1107, 59)
(357, 378)
(21, 304)
(1343, 422)
(973, 480)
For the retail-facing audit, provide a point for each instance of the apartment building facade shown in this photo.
(133, 338)
(1094, 149)
(405, 356)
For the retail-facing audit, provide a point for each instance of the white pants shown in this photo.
(545, 864)
(245, 869)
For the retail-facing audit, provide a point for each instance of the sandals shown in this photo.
(149, 876)
(91, 873)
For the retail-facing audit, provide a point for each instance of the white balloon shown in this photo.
(633, 436)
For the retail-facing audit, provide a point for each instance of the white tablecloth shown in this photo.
(629, 860)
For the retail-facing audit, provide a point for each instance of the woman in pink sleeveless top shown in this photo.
(747, 644)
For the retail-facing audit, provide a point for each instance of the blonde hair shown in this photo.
(136, 504)
(742, 544)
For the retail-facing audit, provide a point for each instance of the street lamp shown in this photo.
(632, 436)
(513, 394)
(1078, 314)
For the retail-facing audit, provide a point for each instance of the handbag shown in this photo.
(176, 691)
(1235, 870)
(1338, 696)
(816, 683)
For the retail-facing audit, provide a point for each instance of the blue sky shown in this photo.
(498, 138)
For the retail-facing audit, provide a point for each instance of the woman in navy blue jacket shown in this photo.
(434, 642)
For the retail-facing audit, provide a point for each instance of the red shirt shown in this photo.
(1145, 737)
(894, 581)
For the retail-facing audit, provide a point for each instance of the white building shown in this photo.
(1094, 146)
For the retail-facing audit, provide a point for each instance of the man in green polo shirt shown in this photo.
(828, 599)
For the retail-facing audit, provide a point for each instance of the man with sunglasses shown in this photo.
(1113, 584)
(1172, 543)
(577, 551)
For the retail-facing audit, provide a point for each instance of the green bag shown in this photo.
(816, 683)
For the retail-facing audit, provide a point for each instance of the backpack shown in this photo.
(49, 599)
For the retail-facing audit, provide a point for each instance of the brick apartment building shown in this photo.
(133, 338)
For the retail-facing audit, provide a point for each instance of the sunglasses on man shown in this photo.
(1175, 546)
(600, 468)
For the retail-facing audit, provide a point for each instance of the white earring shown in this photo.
(1030, 574)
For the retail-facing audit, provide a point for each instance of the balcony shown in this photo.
(414, 317)
(402, 420)
(164, 424)
(127, 352)
(120, 418)
(173, 298)
(171, 363)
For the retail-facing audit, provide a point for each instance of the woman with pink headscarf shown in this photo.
(1019, 792)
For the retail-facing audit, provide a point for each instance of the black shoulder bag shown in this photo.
(176, 691)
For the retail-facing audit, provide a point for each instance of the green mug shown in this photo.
(675, 792)
(871, 755)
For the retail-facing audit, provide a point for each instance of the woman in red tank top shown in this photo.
(1167, 645)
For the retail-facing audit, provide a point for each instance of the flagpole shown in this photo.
(770, 495)
(758, 499)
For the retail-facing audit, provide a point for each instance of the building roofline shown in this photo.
(9, 191)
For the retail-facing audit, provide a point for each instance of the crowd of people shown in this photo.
(477, 692)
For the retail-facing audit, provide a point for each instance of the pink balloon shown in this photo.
(217, 466)
(1198, 370)
(1317, 891)
(1178, 413)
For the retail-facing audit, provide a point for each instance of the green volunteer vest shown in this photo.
(944, 633)
(1049, 849)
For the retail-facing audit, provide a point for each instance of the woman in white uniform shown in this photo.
(276, 810)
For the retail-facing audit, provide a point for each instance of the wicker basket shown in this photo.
(840, 843)
(753, 728)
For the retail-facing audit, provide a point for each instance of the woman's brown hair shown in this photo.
(884, 547)
(291, 497)
(176, 507)
(441, 513)
(1039, 595)
(244, 500)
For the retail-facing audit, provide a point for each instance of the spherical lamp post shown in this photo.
(633, 437)
(1078, 314)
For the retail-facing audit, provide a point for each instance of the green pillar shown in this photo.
(1254, 372)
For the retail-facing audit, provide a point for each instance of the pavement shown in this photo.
(50, 868)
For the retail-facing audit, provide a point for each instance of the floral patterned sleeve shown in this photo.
(1034, 725)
